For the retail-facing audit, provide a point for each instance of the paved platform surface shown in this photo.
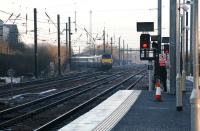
(148, 115)
(106, 114)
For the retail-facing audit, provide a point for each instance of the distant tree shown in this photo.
(21, 58)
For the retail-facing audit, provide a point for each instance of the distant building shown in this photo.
(5, 33)
(9, 33)
(1, 30)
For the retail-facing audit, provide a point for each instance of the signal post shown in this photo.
(146, 53)
(146, 50)
(152, 52)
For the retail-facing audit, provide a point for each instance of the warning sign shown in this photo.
(162, 59)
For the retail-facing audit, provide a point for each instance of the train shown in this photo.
(96, 62)
(106, 61)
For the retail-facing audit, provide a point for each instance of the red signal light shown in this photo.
(145, 45)
(144, 41)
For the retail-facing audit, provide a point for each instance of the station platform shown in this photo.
(134, 110)
(150, 115)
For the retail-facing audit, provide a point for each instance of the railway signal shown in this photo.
(146, 52)
(144, 41)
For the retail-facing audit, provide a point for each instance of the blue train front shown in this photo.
(106, 62)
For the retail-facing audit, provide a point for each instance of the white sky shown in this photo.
(118, 16)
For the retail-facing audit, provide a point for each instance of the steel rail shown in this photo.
(135, 83)
(50, 96)
(41, 80)
(43, 85)
(61, 118)
(49, 106)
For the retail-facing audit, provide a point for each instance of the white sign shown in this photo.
(162, 59)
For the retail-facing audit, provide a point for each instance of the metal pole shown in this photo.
(119, 51)
(195, 98)
(186, 42)
(191, 38)
(172, 50)
(159, 36)
(159, 24)
(181, 36)
(183, 50)
(107, 39)
(90, 40)
(35, 41)
(66, 40)
(150, 76)
(104, 46)
(127, 53)
(123, 53)
(179, 103)
(111, 45)
(26, 23)
(75, 22)
(70, 55)
(66, 44)
(94, 49)
(59, 65)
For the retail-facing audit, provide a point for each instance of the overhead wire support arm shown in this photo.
(9, 18)
(89, 35)
(50, 19)
(16, 18)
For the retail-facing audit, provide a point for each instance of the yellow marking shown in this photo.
(107, 61)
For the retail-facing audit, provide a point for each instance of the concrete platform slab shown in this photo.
(106, 115)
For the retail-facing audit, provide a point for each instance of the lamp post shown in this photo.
(191, 37)
(179, 104)
(194, 98)
(185, 9)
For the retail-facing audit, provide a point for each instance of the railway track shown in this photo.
(62, 119)
(42, 83)
(17, 90)
(60, 99)
(10, 117)
(54, 103)
(48, 87)
(47, 79)
(20, 96)
(38, 81)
